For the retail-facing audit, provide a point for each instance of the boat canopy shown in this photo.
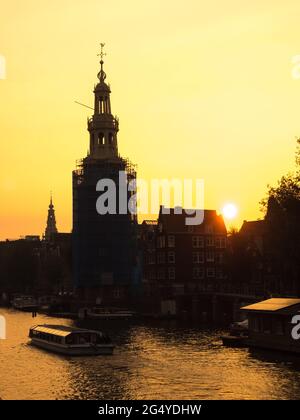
(62, 330)
(272, 305)
(52, 330)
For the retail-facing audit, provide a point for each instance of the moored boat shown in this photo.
(273, 324)
(25, 303)
(234, 340)
(238, 335)
(70, 341)
(100, 313)
(239, 327)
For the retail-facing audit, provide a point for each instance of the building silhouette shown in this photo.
(104, 245)
(181, 261)
(266, 256)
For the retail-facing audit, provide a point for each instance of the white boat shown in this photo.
(241, 327)
(25, 303)
(238, 334)
(70, 341)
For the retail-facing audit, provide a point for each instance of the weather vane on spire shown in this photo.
(102, 54)
(101, 75)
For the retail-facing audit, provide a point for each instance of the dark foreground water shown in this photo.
(161, 361)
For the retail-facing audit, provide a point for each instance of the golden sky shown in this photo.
(202, 90)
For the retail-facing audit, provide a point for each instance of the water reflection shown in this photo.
(159, 361)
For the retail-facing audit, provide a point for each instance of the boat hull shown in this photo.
(30, 308)
(279, 346)
(103, 349)
(234, 341)
(109, 317)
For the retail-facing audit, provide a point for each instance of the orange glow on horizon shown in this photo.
(202, 92)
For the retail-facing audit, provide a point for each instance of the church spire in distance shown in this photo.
(51, 221)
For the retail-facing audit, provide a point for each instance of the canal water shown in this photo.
(152, 361)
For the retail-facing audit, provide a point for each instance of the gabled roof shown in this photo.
(253, 228)
(173, 222)
(272, 305)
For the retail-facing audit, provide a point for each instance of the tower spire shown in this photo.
(103, 126)
(101, 75)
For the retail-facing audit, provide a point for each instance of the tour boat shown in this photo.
(70, 341)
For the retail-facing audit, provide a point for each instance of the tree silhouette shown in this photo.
(282, 216)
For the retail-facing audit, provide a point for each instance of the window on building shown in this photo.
(208, 229)
(171, 241)
(198, 257)
(161, 242)
(192, 287)
(161, 274)
(117, 293)
(198, 273)
(101, 139)
(219, 257)
(178, 289)
(149, 236)
(210, 256)
(219, 274)
(101, 108)
(161, 258)
(110, 138)
(198, 241)
(210, 272)
(220, 241)
(171, 257)
(223, 242)
(102, 252)
(209, 241)
(151, 258)
(171, 273)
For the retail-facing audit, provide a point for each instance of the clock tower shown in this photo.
(104, 245)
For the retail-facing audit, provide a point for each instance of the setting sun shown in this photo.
(229, 211)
